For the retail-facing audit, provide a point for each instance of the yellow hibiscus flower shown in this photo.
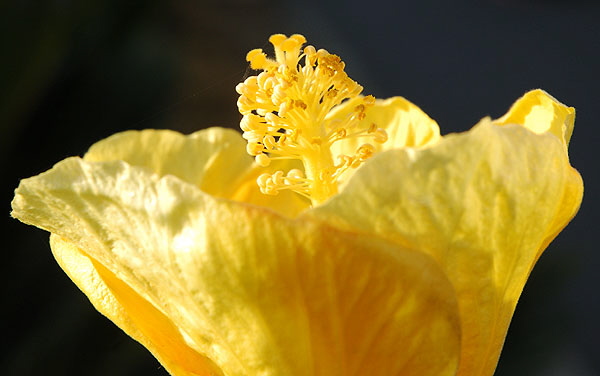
(358, 241)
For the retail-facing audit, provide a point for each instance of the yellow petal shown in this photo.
(484, 204)
(257, 293)
(540, 112)
(135, 315)
(406, 125)
(213, 159)
(286, 202)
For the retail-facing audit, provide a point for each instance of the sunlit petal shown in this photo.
(344, 236)
(132, 313)
(540, 112)
(213, 159)
(285, 202)
(405, 124)
(484, 204)
(295, 298)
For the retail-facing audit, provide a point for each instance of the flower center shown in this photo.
(286, 112)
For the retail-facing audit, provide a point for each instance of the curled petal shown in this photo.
(484, 204)
(406, 125)
(128, 310)
(539, 112)
(253, 291)
(213, 159)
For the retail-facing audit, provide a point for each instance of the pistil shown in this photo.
(286, 109)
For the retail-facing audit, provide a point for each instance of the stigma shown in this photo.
(285, 112)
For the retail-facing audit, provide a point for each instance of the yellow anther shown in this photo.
(251, 122)
(271, 119)
(300, 104)
(332, 93)
(269, 142)
(310, 50)
(239, 88)
(365, 151)
(344, 161)
(294, 134)
(282, 140)
(321, 52)
(248, 87)
(286, 111)
(251, 82)
(360, 111)
(327, 173)
(331, 64)
(283, 108)
(381, 136)
(311, 56)
(278, 179)
(279, 95)
(266, 185)
(261, 79)
(341, 133)
(245, 105)
(245, 123)
(369, 100)
(254, 148)
(263, 179)
(295, 174)
(252, 137)
(262, 160)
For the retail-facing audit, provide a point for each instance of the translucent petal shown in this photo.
(540, 112)
(286, 202)
(213, 159)
(135, 315)
(484, 204)
(257, 293)
(406, 125)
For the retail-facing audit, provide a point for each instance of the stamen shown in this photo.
(262, 160)
(381, 136)
(285, 116)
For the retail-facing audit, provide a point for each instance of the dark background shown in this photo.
(73, 72)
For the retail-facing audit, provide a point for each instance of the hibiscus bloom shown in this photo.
(356, 241)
